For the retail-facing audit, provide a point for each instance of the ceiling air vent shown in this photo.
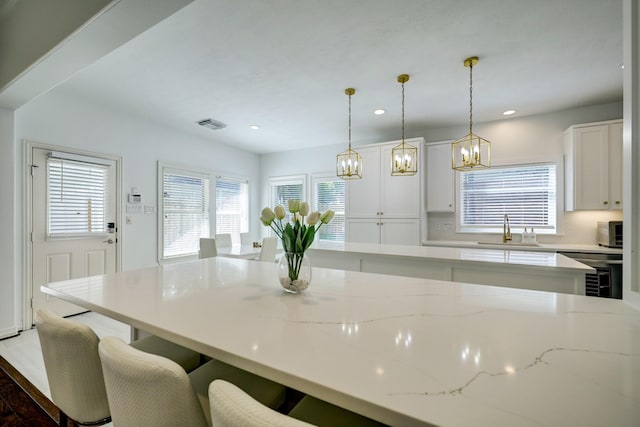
(212, 124)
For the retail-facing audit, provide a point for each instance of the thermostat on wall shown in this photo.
(135, 196)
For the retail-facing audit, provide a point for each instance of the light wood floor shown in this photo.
(23, 351)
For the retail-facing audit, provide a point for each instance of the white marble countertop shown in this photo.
(405, 351)
(541, 247)
(531, 259)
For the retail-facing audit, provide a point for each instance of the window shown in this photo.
(526, 193)
(185, 212)
(232, 206)
(328, 193)
(77, 198)
(285, 188)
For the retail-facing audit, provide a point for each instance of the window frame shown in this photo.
(187, 171)
(242, 180)
(328, 177)
(284, 180)
(487, 229)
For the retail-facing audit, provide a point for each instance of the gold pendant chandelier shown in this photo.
(470, 152)
(349, 162)
(404, 157)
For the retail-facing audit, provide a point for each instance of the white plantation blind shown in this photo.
(185, 212)
(283, 190)
(77, 198)
(232, 206)
(527, 194)
(329, 194)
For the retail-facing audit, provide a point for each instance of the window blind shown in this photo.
(185, 212)
(77, 198)
(526, 193)
(282, 192)
(232, 206)
(329, 194)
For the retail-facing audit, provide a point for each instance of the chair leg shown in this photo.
(64, 420)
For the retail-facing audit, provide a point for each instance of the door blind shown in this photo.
(232, 206)
(185, 213)
(527, 194)
(77, 198)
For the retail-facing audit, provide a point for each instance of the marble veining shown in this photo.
(405, 351)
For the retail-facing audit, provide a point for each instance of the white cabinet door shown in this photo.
(440, 179)
(400, 231)
(593, 167)
(400, 194)
(363, 230)
(363, 195)
(592, 160)
(615, 166)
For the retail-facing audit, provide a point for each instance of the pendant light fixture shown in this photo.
(404, 157)
(470, 152)
(349, 163)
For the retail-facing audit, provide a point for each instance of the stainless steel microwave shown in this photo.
(610, 234)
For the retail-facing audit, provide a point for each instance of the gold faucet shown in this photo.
(506, 230)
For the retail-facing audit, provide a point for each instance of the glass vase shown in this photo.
(294, 272)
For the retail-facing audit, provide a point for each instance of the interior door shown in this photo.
(73, 222)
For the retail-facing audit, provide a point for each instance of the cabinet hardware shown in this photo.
(605, 202)
(617, 202)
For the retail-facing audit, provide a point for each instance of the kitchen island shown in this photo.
(516, 269)
(404, 351)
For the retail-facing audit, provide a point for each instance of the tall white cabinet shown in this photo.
(440, 178)
(593, 166)
(381, 208)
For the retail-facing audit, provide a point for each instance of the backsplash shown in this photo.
(578, 227)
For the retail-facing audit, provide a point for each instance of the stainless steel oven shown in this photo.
(606, 282)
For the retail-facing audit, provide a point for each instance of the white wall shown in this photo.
(8, 295)
(68, 120)
(516, 140)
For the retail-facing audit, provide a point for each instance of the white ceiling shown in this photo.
(284, 65)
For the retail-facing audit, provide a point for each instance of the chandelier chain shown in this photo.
(471, 98)
(403, 112)
(349, 123)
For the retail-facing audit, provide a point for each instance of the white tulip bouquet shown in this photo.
(296, 235)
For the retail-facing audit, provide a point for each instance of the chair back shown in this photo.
(268, 250)
(232, 407)
(147, 390)
(245, 239)
(208, 248)
(70, 353)
(223, 240)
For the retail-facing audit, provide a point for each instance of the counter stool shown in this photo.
(72, 364)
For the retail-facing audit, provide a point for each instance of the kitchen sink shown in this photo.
(510, 244)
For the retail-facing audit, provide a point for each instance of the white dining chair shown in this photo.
(268, 249)
(245, 239)
(72, 364)
(208, 248)
(232, 407)
(223, 240)
(148, 390)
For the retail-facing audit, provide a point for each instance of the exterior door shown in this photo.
(73, 221)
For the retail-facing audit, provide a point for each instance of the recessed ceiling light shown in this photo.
(509, 112)
(254, 127)
(379, 112)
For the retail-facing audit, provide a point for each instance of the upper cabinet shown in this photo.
(381, 208)
(440, 178)
(593, 166)
(380, 194)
